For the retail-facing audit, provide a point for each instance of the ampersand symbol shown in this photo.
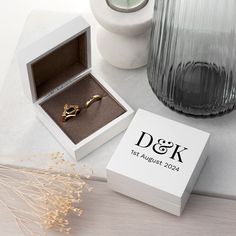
(163, 146)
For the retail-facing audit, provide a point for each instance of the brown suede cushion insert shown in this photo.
(88, 121)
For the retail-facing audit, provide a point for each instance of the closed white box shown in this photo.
(56, 70)
(158, 161)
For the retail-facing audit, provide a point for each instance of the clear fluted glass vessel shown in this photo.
(192, 59)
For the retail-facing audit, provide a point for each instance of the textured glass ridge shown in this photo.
(192, 58)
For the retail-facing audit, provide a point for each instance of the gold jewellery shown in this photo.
(73, 110)
(92, 100)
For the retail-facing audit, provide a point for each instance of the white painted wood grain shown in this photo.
(107, 213)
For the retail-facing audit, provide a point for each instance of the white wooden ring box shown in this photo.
(56, 70)
(158, 161)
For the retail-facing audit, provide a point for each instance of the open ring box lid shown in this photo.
(56, 70)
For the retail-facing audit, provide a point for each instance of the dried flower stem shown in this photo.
(47, 197)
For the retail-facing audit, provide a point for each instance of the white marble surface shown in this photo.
(25, 141)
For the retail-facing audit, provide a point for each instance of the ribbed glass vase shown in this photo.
(192, 58)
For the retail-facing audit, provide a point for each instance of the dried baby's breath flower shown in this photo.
(47, 197)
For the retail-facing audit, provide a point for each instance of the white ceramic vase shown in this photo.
(124, 39)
